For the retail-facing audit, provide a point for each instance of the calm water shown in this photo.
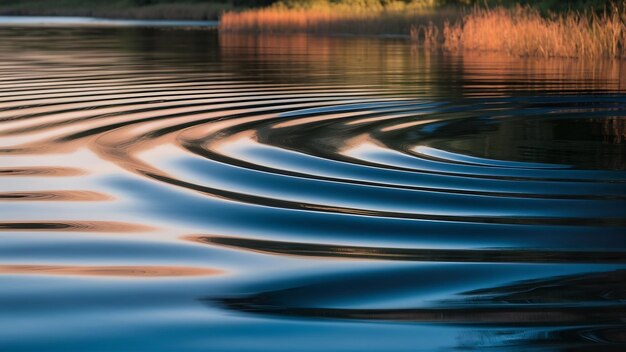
(167, 190)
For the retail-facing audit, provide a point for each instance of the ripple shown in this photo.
(114, 271)
(40, 171)
(53, 196)
(456, 315)
(530, 302)
(494, 255)
(475, 199)
(73, 226)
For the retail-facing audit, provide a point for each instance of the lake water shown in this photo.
(169, 190)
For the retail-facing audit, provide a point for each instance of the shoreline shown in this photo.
(209, 11)
(81, 21)
(519, 31)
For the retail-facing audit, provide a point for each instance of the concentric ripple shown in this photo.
(292, 194)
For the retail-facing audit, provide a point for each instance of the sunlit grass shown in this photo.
(366, 17)
(520, 31)
(524, 32)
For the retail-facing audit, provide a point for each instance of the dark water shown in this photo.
(166, 190)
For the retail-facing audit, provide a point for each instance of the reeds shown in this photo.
(395, 18)
(522, 31)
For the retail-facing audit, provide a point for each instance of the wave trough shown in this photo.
(297, 191)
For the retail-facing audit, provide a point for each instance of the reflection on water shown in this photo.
(65, 21)
(184, 190)
(138, 271)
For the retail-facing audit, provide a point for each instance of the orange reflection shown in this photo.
(71, 196)
(39, 171)
(113, 271)
(72, 226)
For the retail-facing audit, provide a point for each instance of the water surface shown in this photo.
(77, 21)
(168, 190)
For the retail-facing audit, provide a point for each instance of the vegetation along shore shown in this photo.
(546, 28)
(583, 29)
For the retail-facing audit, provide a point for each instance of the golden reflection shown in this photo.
(332, 56)
(555, 74)
(72, 226)
(407, 125)
(321, 117)
(75, 196)
(40, 171)
(112, 271)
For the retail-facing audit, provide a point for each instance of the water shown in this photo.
(166, 190)
(77, 21)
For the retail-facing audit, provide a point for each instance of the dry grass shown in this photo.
(393, 19)
(521, 31)
(524, 32)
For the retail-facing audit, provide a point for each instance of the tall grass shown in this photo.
(522, 31)
(366, 17)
